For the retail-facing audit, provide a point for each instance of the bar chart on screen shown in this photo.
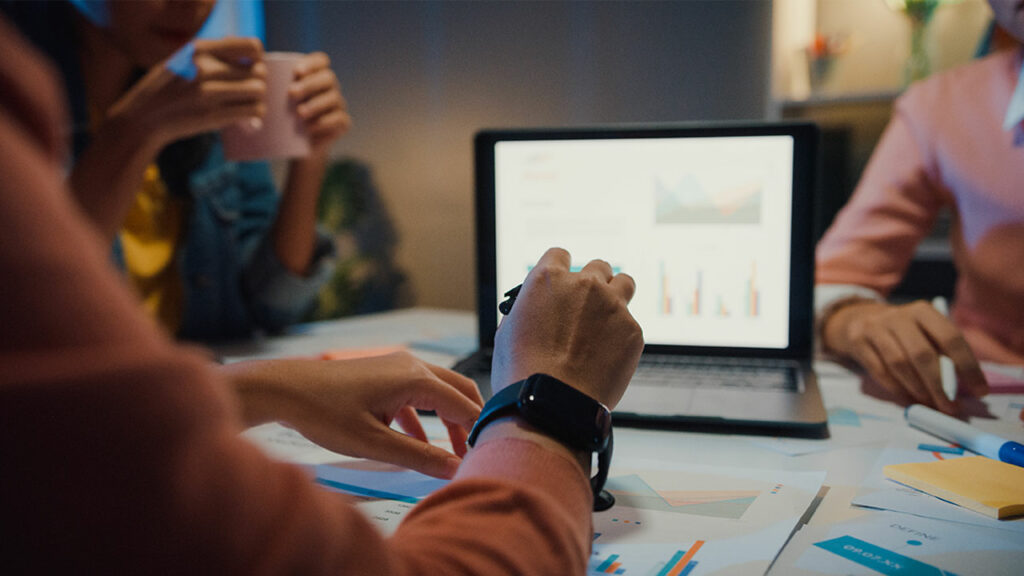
(697, 292)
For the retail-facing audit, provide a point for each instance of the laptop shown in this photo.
(714, 222)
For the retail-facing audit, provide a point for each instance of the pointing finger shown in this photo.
(556, 257)
(397, 448)
(409, 422)
(448, 402)
(599, 268)
(462, 383)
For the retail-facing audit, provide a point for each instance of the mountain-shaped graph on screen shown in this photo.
(688, 201)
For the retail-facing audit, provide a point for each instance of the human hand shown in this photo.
(228, 87)
(319, 101)
(572, 325)
(347, 406)
(899, 347)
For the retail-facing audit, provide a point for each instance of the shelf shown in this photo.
(825, 99)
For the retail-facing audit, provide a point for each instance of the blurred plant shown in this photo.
(920, 13)
(366, 278)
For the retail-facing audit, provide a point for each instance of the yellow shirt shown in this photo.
(149, 237)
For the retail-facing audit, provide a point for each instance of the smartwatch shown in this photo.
(562, 412)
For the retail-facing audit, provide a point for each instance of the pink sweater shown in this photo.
(120, 452)
(945, 146)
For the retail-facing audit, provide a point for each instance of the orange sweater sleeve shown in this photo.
(120, 451)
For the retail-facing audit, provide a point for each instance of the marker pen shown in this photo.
(946, 368)
(952, 430)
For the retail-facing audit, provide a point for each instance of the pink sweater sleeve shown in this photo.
(874, 236)
(120, 451)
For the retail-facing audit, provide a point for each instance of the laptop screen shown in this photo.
(703, 220)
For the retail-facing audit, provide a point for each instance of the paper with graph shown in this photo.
(690, 520)
(893, 544)
(668, 520)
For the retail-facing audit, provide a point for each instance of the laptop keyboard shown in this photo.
(705, 372)
(684, 371)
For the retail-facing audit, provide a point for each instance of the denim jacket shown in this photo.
(233, 283)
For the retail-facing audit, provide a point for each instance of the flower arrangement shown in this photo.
(821, 56)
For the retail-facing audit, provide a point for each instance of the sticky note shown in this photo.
(987, 486)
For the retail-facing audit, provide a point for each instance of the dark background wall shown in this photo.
(422, 77)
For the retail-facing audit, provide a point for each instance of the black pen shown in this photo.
(510, 299)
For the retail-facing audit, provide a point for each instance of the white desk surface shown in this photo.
(846, 465)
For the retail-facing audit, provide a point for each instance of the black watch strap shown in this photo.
(504, 403)
(562, 412)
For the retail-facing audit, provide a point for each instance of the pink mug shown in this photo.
(282, 134)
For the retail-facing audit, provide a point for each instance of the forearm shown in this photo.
(294, 230)
(873, 238)
(149, 434)
(262, 388)
(109, 172)
(530, 493)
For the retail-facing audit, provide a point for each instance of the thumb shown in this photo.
(976, 382)
(969, 376)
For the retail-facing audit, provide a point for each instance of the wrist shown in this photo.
(571, 378)
(131, 139)
(513, 426)
(838, 320)
(562, 413)
(314, 163)
(262, 395)
(140, 132)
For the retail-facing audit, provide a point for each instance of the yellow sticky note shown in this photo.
(987, 486)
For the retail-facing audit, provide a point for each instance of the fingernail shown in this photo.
(254, 124)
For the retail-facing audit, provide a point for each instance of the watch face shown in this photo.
(565, 412)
